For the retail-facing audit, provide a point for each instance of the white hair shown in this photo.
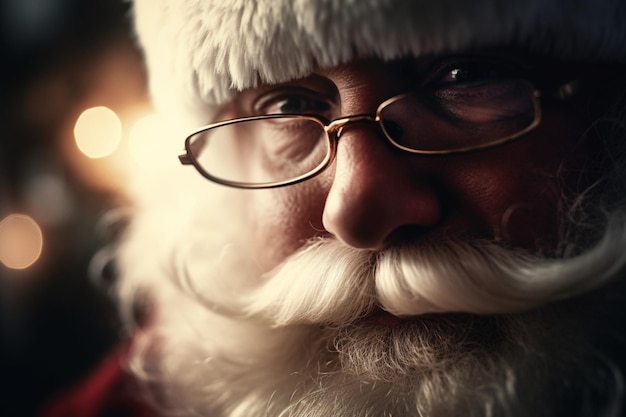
(223, 339)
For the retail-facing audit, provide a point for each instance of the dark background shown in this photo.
(59, 57)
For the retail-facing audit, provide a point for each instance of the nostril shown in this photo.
(406, 234)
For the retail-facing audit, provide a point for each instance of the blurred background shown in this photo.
(74, 118)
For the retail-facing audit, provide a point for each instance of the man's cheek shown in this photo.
(279, 223)
(531, 224)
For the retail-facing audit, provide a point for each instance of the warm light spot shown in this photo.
(21, 241)
(98, 132)
(153, 143)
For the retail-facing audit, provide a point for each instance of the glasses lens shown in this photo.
(458, 117)
(261, 151)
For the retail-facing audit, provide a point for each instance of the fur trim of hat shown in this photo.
(199, 51)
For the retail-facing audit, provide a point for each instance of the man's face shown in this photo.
(375, 196)
(426, 285)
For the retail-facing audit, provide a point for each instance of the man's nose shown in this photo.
(378, 193)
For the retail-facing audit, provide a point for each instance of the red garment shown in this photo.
(109, 391)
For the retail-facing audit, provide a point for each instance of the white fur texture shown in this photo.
(232, 344)
(199, 51)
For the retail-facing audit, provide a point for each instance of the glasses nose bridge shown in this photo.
(336, 126)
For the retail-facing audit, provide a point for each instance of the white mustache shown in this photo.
(329, 283)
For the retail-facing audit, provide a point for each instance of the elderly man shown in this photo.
(384, 208)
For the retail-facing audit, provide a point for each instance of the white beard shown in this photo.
(298, 341)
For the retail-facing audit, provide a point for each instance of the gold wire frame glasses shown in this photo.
(277, 150)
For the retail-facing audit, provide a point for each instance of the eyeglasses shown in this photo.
(276, 150)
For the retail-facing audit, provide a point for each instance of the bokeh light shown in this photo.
(21, 241)
(98, 132)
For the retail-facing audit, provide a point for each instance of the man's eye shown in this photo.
(472, 73)
(293, 104)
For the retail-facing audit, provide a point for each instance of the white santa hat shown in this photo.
(199, 51)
